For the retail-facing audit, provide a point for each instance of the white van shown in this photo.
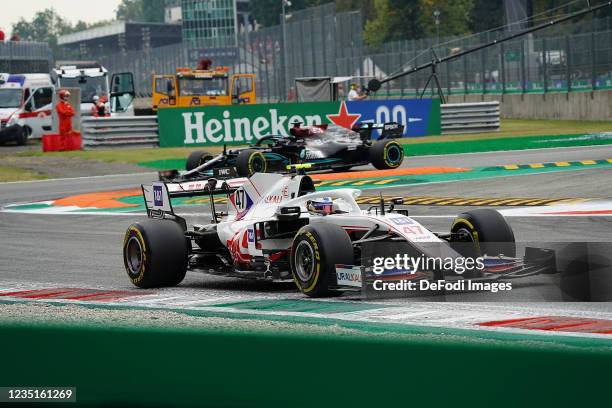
(92, 78)
(25, 107)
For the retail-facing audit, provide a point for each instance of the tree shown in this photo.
(267, 12)
(486, 15)
(377, 30)
(455, 16)
(141, 10)
(392, 20)
(45, 26)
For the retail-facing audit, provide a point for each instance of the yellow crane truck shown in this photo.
(205, 85)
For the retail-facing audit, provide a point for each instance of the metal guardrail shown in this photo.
(470, 117)
(120, 131)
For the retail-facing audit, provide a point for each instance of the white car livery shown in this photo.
(277, 227)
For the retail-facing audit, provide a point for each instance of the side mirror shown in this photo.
(28, 106)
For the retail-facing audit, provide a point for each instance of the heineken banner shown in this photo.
(244, 124)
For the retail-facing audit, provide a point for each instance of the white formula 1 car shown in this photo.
(277, 227)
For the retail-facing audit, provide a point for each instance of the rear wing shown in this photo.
(389, 130)
(158, 196)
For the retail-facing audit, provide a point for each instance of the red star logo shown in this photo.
(343, 118)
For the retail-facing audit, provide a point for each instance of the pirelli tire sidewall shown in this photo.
(386, 154)
(489, 231)
(251, 161)
(164, 253)
(330, 245)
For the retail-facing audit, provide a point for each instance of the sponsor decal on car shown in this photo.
(348, 275)
(158, 196)
(401, 221)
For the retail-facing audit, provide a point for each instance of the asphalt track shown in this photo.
(85, 250)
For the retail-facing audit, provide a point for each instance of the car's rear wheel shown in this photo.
(386, 154)
(249, 162)
(316, 250)
(482, 231)
(196, 159)
(155, 253)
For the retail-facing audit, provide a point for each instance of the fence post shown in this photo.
(465, 69)
(544, 65)
(502, 65)
(593, 74)
(523, 73)
(568, 64)
(448, 79)
(323, 42)
(388, 60)
(401, 63)
(483, 69)
(265, 56)
(313, 53)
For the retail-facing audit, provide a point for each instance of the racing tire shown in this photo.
(487, 229)
(155, 253)
(197, 158)
(249, 162)
(386, 154)
(315, 251)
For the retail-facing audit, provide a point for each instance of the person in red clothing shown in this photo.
(65, 112)
(99, 108)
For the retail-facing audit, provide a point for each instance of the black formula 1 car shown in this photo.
(323, 147)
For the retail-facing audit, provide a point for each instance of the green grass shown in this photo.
(9, 173)
(520, 127)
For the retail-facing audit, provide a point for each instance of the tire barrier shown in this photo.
(120, 131)
(470, 117)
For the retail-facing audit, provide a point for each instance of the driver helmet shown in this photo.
(324, 206)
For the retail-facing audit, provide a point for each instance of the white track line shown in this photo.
(79, 178)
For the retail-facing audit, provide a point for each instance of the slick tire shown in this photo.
(386, 154)
(155, 253)
(197, 158)
(484, 231)
(249, 162)
(316, 250)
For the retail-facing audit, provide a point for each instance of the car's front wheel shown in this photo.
(155, 253)
(196, 159)
(316, 250)
(483, 231)
(249, 162)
